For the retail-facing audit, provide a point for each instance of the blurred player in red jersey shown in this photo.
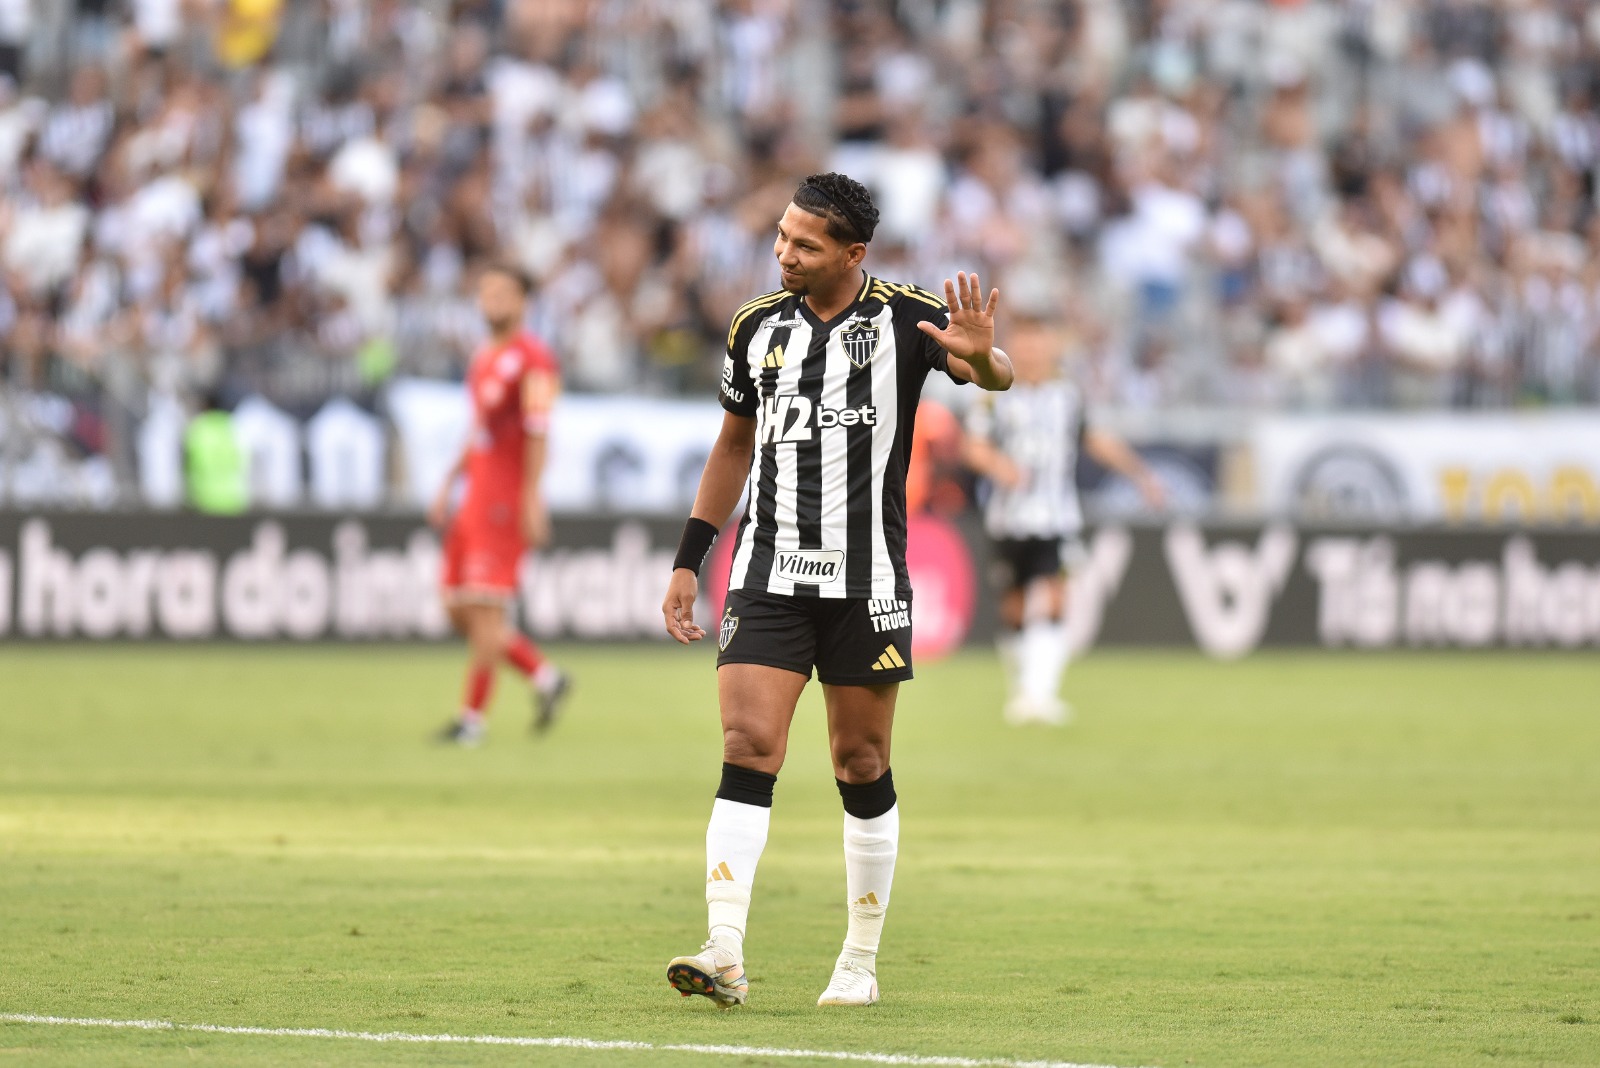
(513, 382)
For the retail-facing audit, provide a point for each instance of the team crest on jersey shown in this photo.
(730, 623)
(860, 341)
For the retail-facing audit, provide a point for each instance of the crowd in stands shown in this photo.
(1231, 204)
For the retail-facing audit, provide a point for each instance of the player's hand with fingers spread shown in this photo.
(971, 330)
(969, 337)
(678, 608)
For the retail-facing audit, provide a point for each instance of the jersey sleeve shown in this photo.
(540, 386)
(923, 307)
(738, 390)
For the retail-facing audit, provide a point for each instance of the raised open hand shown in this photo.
(971, 329)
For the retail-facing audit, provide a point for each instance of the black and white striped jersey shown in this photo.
(1040, 427)
(834, 404)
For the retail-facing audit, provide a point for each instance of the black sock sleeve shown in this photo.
(746, 786)
(868, 800)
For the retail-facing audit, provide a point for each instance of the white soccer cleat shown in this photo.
(852, 984)
(1021, 711)
(714, 973)
(465, 732)
(1055, 714)
(548, 697)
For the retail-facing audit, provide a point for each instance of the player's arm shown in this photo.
(984, 458)
(721, 485)
(979, 451)
(722, 481)
(969, 337)
(439, 511)
(539, 392)
(1110, 451)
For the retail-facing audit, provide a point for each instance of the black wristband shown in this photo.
(695, 543)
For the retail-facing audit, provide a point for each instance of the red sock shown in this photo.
(480, 684)
(523, 655)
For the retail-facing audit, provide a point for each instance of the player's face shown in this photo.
(1035, 351)
(500, 300)
(810, 260)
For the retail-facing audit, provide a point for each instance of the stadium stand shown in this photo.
(1238, 205)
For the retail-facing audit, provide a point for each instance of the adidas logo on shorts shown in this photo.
(889, 660)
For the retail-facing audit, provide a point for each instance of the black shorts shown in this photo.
(850, 641)
(1018, 561)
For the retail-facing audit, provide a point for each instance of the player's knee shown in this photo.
(859, 761)
(1011, 609)
(751, 749)
(488, 641)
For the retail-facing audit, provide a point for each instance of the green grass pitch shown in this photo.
(1292, 860)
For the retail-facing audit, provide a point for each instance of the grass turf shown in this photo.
(1292, 860)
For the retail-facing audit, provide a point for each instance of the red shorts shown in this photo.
(482, 559)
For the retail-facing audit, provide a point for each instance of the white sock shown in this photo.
(545, 675)
(735, 838)
(1044, 659)
(870, 847)
(1008, 644)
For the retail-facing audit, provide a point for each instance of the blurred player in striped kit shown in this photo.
(1025, 444)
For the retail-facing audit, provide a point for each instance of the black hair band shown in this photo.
(849, 216)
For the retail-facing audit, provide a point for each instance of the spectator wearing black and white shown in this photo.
(16, 24)
(77, 131)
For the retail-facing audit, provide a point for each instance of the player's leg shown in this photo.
(1042, 645)
(1008, 641)
(766, 649)
(495, 562)
(482, 623)
(757, 704)
(865, 657)
(1044, 648)
(548, 683)
(860, 723)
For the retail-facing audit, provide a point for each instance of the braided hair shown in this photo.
(843, 202)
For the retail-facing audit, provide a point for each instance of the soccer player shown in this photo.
(1025, 443)
(820, 387)
(513, 382)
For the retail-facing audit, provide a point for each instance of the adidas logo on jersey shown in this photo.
(889, 660)
(810, 565)
(773, 360)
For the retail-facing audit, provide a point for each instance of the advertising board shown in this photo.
(1226, 590)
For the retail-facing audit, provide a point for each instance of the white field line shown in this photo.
(545, 1043)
